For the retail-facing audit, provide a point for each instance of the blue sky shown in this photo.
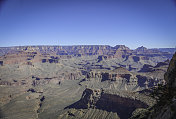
(134, 23)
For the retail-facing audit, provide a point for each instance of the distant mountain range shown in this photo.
(170, 50)
(82, 50)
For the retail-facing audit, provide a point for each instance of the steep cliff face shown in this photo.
(170, 75)
(165, 108)
(98, 99)
(121, 51)
(28, 57)
(19, 57)
(122, 79)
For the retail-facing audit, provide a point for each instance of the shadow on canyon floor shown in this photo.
(112, 103)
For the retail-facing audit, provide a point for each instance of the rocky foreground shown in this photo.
(96, 82)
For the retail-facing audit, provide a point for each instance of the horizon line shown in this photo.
(82, 45)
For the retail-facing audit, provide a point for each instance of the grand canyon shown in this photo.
(87, 82)
(87, 59)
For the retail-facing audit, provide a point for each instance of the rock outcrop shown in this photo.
(170, 75)
(98, 99)
(165, 108)
(20, 57)
(122, 79)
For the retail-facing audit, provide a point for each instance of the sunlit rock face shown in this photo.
(122, 79)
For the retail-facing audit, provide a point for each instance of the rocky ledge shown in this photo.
(103, 100)
(165, 108)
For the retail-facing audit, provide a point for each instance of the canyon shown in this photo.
(84, 81)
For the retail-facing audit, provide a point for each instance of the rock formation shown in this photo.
(93, 81)
(97, 99)
(170, 75)
(119, 51)
(165, 108)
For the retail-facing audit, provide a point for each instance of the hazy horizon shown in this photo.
(136, 23)
(85, 45)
